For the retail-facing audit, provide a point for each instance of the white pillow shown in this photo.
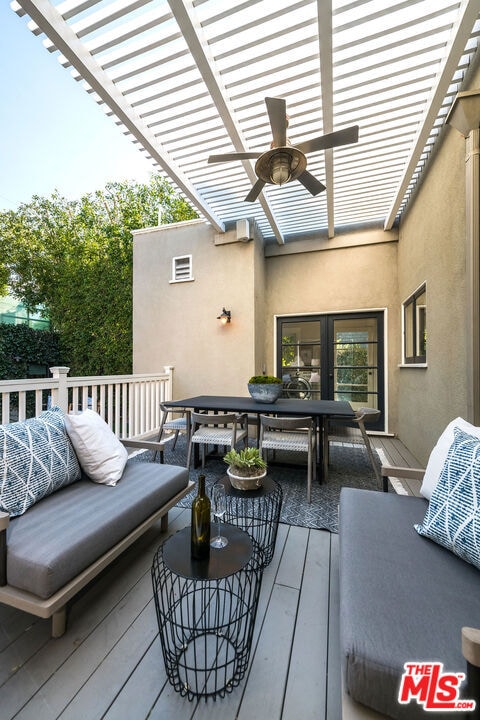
(100, 453)
(438, 456)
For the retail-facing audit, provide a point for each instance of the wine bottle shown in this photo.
(200, 543)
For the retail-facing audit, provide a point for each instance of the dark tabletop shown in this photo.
(283, 406)
(222, 561)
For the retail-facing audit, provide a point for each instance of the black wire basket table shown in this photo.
(206, 611)
(256, 511)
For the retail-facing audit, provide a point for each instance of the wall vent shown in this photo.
(182, 268)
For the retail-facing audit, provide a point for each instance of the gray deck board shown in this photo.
(306, 690)
(109, 664)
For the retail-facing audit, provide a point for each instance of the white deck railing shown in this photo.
(130, 404)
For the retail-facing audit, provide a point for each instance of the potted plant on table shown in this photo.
(246, 468)
(265, 388)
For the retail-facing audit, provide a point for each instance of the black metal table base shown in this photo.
(256, 511)
(206, 620)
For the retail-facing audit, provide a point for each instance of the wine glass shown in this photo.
(219, 508)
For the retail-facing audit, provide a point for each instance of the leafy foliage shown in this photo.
(74, 258)
(21, 347)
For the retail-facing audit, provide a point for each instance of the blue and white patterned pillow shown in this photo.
(36, 458)
(453, 515)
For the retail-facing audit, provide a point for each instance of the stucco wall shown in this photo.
(176, 323)
(342, 279)
(432, 250)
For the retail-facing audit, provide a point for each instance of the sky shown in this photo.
(53, 135)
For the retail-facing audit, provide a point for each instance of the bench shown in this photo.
(407, 593)
(66, 537)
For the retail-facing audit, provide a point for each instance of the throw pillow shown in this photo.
(438, 455)
(36, 458)
(100, 453)
(453, 515)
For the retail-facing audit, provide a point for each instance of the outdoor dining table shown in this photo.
(319, 410)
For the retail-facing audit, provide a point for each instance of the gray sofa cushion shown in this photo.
(402, 598)
(61, 535)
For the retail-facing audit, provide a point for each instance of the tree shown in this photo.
(74, 258)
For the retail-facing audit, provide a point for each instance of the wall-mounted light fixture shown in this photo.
(225, 316)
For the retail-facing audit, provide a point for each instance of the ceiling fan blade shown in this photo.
(255, 191)
(234, 156)
(277, 113)
(310, 182)
(334, 139)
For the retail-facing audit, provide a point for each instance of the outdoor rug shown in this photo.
(349, 467)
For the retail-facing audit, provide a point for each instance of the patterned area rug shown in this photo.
(349, 467)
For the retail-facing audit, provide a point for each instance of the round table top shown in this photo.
(268, 485)
(221, 563)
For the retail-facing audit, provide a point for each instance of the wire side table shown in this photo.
(256, 511)
(206, 611)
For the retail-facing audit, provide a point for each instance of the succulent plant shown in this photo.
(264, 380)
(246, 462)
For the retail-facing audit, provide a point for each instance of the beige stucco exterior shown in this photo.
(370, 269)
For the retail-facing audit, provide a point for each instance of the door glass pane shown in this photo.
(355, 361)
(301, 358)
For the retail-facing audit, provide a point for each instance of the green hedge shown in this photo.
(25, 352)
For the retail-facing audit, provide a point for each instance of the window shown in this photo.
(182, 269)
(415, 327)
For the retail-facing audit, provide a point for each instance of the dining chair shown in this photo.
(226, 429)
(177, 423)
(339, 431)
(295, 434)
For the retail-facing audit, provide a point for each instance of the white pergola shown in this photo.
(188, 78)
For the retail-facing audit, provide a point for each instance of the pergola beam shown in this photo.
(468, 13)
(184, 14)
(324, 12)
(65, 40)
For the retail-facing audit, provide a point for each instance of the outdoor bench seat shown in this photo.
(402, 598)
(57, 545)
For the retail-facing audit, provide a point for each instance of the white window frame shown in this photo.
(416, 360)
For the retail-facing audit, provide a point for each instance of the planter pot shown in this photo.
(240, 482)
(268, 393)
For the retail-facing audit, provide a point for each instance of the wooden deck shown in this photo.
(109, 663)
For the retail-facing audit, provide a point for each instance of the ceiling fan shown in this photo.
(285, 162)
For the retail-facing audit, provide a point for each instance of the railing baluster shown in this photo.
(129, 403)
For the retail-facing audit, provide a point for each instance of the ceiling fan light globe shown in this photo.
(280, 168)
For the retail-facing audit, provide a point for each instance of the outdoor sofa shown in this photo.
(410, 581)
(70, 502)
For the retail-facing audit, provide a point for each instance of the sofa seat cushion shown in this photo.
(36, 459)
(64, 533)
(402, 598)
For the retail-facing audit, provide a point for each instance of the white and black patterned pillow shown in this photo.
(36, 458)
(453, 515)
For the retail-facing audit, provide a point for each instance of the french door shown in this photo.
(333, 357)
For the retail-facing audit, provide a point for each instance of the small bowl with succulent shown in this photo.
(246, 468)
